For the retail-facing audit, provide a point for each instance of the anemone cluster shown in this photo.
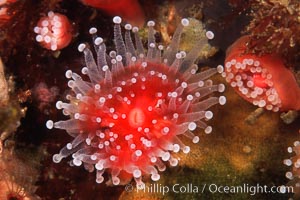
(132, 111)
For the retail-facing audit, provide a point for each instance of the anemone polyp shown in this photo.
(294, 163)
(54, 31)
(129, 116)
(262, 80)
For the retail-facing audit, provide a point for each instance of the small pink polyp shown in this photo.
(54, 31)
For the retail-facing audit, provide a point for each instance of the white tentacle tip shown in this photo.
(68, 74)
(155, 177)
(220, 69)
(57, 158)
(49, 124)
(135, 29)
(98, 41)
(117, 20)
(192, 126)
(81, 47)
(185, 22)
(208, 130)
(196, 140)
(137, 173)
(93, 30)
(151, 23)
(59, 105)
(186, 149)
(221, 87)
(128, 27)
(209, 115)
(222, 100)
(210, 35)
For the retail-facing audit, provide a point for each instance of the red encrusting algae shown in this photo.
(262, 80)
(128, 117)
(274, 28)
(130, 10)
(54, 31)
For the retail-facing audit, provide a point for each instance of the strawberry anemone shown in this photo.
(128, 117)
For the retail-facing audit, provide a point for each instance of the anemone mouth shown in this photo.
(136, 117)
(11, 190)
(15, 196)
(253, 82)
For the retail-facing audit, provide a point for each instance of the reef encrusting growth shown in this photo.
(275, 28)
(10, 109)
(129, 116)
